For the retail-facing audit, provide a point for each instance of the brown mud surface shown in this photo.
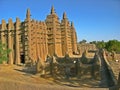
(13, 77)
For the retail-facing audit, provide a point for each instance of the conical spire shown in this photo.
(3, 24)
(72, 24)
(28, 14)
(64, 16)
(17, 23)
(10, 24)
(52, 10)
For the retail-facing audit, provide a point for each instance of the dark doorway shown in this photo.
(73, 71)
(22, 57)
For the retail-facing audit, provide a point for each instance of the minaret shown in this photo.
(27, 35)
(17, 44)
(52, 10)
(66, 35)
(54, 33)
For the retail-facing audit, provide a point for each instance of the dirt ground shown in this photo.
(13, 77)
(115, 67)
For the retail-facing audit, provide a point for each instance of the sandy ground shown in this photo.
(13, 78)
(115, 67)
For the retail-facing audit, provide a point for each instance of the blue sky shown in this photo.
(93, 19)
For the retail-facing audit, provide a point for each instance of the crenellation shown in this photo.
(86, 46)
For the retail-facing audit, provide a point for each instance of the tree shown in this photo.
(83, 41)
(100, 44)
(113, 45)
(3, 52)
(93, 42)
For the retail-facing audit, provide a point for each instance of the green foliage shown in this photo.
(111, 45)
(100, 44)
(3, 52)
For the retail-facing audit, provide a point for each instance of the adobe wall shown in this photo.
(32, 39)
(112, 56)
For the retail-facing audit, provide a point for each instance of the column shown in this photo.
(10, 43)
(17, 44)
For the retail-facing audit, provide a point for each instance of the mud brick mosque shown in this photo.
(31, 39)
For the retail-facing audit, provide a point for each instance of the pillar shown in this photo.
(17, 44)
(10, 41)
